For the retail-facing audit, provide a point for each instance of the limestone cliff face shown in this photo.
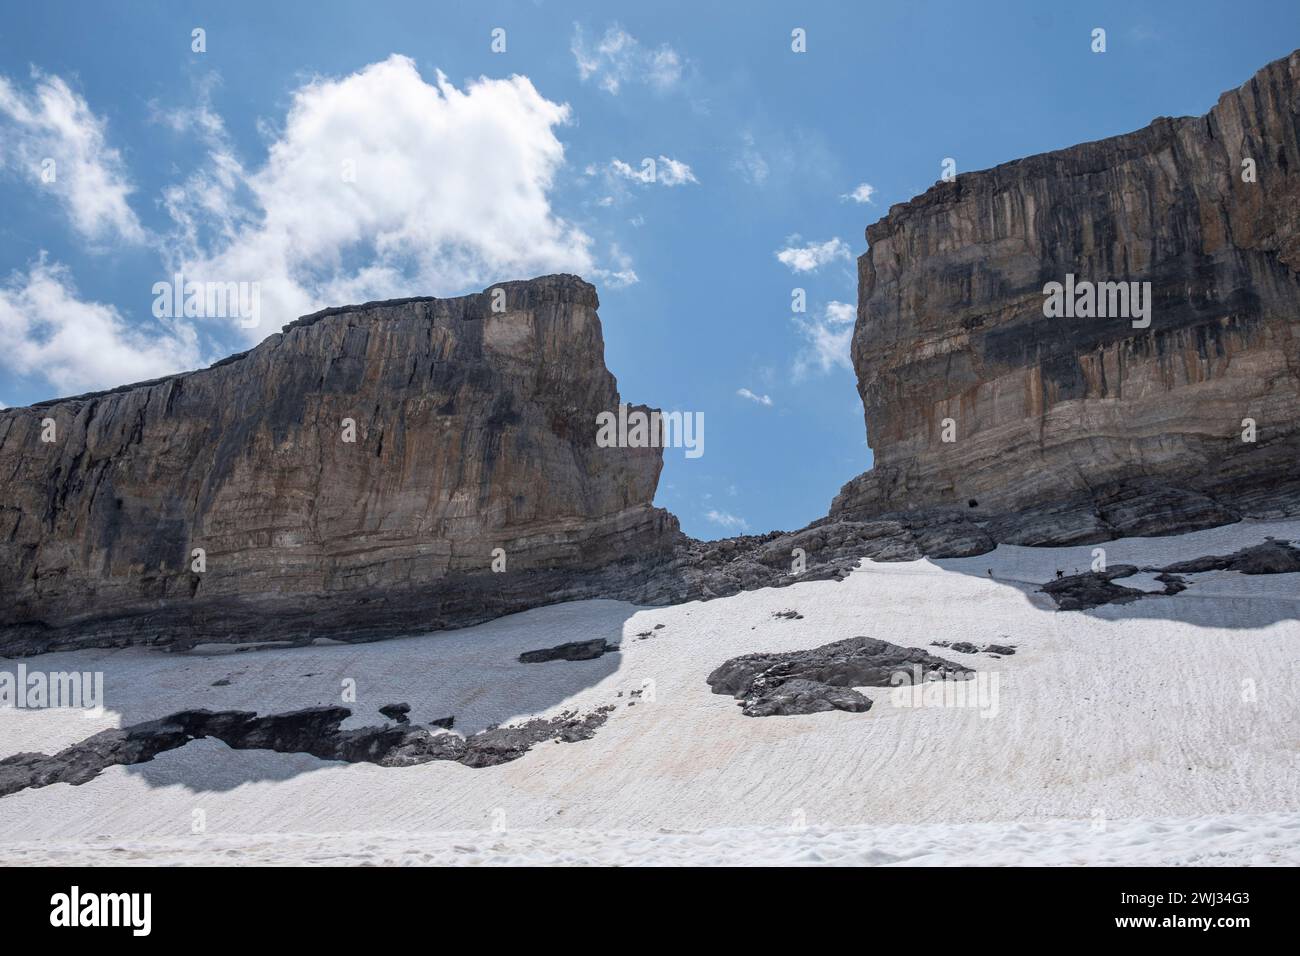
(474, 430)
(951, 326)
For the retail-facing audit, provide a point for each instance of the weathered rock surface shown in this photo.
(831, 548)
(811, 681)
(1271, 557)
(474, 430)
(314, 731)
(1076, 430)
(966, 647)
(499, 745)
(1079, 592)
(800, 696)
(397, 712)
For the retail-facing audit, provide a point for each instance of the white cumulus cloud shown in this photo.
(754, 397)
(840, 313)
(381, 184)
(861, 193)
(813, 255)
(665, 171)
(826, 340)
(48, 331)
(51, 137)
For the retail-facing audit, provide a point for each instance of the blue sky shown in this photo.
(531, 160)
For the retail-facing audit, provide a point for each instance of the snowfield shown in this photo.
(1240, 840)
(1159, 732)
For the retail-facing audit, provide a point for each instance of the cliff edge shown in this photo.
(349, 477)
(1058, 430)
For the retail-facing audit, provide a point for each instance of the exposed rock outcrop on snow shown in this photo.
(823, 678)
(572, 651)
(314, 731)
(1271, 557)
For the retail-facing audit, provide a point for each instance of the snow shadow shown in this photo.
(472, 675)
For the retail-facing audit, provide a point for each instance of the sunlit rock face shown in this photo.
(474, 428)
(1087, 427)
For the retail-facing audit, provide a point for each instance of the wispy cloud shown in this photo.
(727, 520)
(827, 340)
(48, 331)
(751, 164)
(622, 275)
(840, 313)
(53, 139)
(754, 397)
(618, 58)
(665, 171)
(813, 255)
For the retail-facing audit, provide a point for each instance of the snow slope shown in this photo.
(1155, 732)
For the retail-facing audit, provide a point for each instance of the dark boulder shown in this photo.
(853, 662)
(1271, 557)
(800, 682)
(1079, 592)
(573, 651)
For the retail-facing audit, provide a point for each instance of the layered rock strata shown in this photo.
(349, 477)
(1055, 430)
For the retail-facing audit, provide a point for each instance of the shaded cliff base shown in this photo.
(690, 570)
(460, 599)
(835, 545)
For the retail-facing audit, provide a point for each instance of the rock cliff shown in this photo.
(1069, 430)
(473, 430)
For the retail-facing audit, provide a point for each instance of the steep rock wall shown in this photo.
(474, 430)
(1091, 416)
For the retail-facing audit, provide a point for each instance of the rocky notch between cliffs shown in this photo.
(1071, 430)
(476, 429)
